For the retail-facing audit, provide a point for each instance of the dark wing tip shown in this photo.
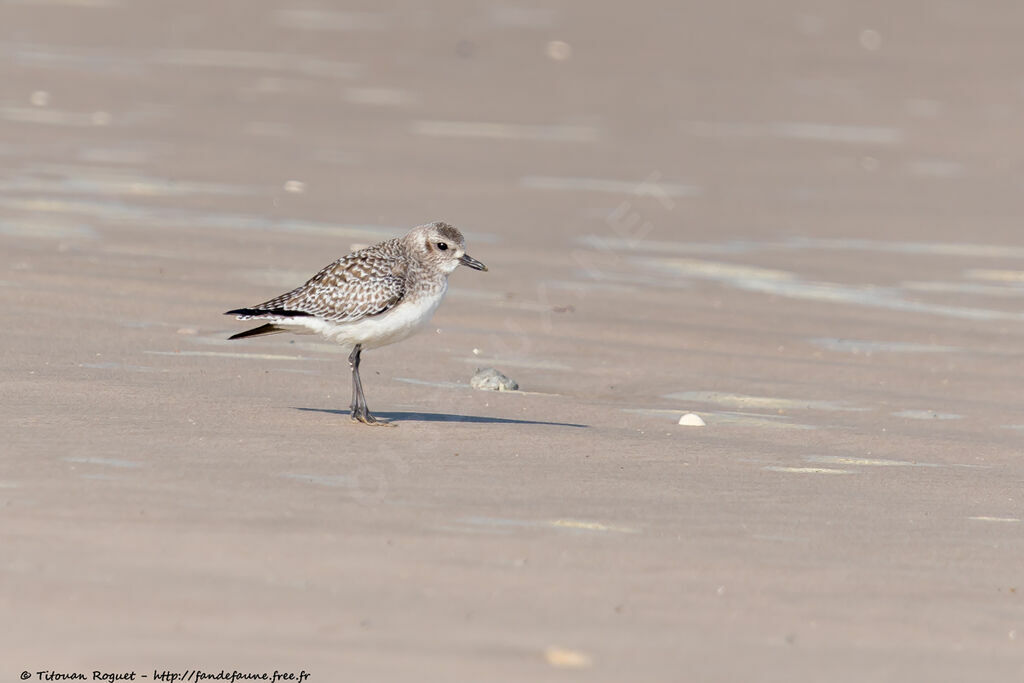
(257, 331)
(279, 312)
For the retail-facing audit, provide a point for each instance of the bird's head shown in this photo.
(442, 246)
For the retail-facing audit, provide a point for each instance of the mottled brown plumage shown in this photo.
(366, 282)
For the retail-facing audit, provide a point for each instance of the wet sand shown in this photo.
(800, 222)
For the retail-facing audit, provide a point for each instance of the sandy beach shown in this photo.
(800, 221)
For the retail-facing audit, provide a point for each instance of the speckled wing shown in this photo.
(364, 283)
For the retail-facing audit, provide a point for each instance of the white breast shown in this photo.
(379, 330)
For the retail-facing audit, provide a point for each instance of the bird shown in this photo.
(372, 297)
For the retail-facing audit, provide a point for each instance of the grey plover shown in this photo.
(372, 297)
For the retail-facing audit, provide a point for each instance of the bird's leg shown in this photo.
(353, 362)
(360, 411)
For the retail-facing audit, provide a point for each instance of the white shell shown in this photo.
(691, 420)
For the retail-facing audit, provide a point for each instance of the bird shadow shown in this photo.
(447, 417)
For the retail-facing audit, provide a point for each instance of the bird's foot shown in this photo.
(367, 419)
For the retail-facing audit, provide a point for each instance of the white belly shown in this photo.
(379, 330)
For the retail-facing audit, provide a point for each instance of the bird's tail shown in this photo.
(269, 328)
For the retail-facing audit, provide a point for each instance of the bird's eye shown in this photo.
(442, 246)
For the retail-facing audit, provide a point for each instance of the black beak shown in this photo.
(468, 260)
